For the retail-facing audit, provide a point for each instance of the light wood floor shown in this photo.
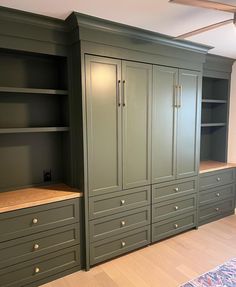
(165, 264)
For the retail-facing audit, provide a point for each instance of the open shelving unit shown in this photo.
(34, 120)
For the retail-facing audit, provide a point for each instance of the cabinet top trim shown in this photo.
(80, 20)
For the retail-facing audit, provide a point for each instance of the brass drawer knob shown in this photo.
(122, 223)
(35, 221)
(218, 179)
(36, 246)
(176, 225)
(217, 209)
(176, 189)
(36, 270)
(176, 207)
(122, 202)
(123, 244)
(218, 194)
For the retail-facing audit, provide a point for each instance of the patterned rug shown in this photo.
(222, 276)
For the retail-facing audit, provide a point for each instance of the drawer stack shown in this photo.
(217, 195)
(39, 242)
(119, 222)
(173, 208)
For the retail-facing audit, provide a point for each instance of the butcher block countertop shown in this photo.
(34, 196)
(207, 166)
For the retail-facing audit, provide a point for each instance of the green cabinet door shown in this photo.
(165, 81)
(188, 130)
(103, 76)
(136, 115)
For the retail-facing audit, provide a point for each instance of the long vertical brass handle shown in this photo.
(175, 96)
(119, 94)
(124, 95)
(180, 96)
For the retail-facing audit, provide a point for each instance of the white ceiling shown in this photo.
(155, 15)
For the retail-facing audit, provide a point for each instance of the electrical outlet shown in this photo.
(47, 175)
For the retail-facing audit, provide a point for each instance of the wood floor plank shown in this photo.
(168, 263)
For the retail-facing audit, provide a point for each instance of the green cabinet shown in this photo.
(118, 95)
(175, 123)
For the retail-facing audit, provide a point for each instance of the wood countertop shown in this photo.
(34, 196)
(207, 166)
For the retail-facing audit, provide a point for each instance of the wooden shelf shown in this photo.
(213, 125)
(33, 130)
(210, 165)
(213, 101)
(32, 91)
(34, 196)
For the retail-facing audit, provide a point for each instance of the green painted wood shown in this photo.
(118, 202)
(32, 91)
(117, 245)
(104, 124)
(164, 115)
(216, 178)
(33, 130)
(216, 64)
(119, 223)
(188, 123)
(173, 226)
(218, 209)
(19, 223)
(23, 248)
(24, 273)
(136, 116)
(168, 191)
(174, 207)
(216, 194)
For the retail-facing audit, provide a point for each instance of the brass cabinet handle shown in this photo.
(176, 225)
(218, 179)
(176, 189)
(119, 93)
(35, 221)
(217, 209)
(123, 244)
(36, 270)
(122, 223)
(176, 96)
(180, 96)
(124, 95)
(176, 207)
(217, 194)
(36, 246)
(122, 201)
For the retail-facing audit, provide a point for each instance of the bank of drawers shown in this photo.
(119, 222)
(174, 207)
(39, 242)
(217, 195)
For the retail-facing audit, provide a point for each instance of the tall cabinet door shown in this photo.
(164, 113)
(137, 89)
(103, 77)
(188, 123)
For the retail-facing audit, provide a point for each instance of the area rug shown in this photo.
(222, 276)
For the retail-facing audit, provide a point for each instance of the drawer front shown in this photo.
(174, 226)
(216, 194)
(216, 209)
(106, 249)
(162, 192)
(171, 208)
(214, 179)
(31, 220)
(104, 205)
(29, 247)
(117, 224)
(30, 271)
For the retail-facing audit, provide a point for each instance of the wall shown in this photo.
(232, 118)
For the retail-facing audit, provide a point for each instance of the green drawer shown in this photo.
(217, 209)
(120, 201)
(116, 224)
(20, 223)
(111, 247)
(166, 228)
(32, 246)
(216, 178)
(30, 271)
(167, 191)
(216, 194)
(174, 207)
